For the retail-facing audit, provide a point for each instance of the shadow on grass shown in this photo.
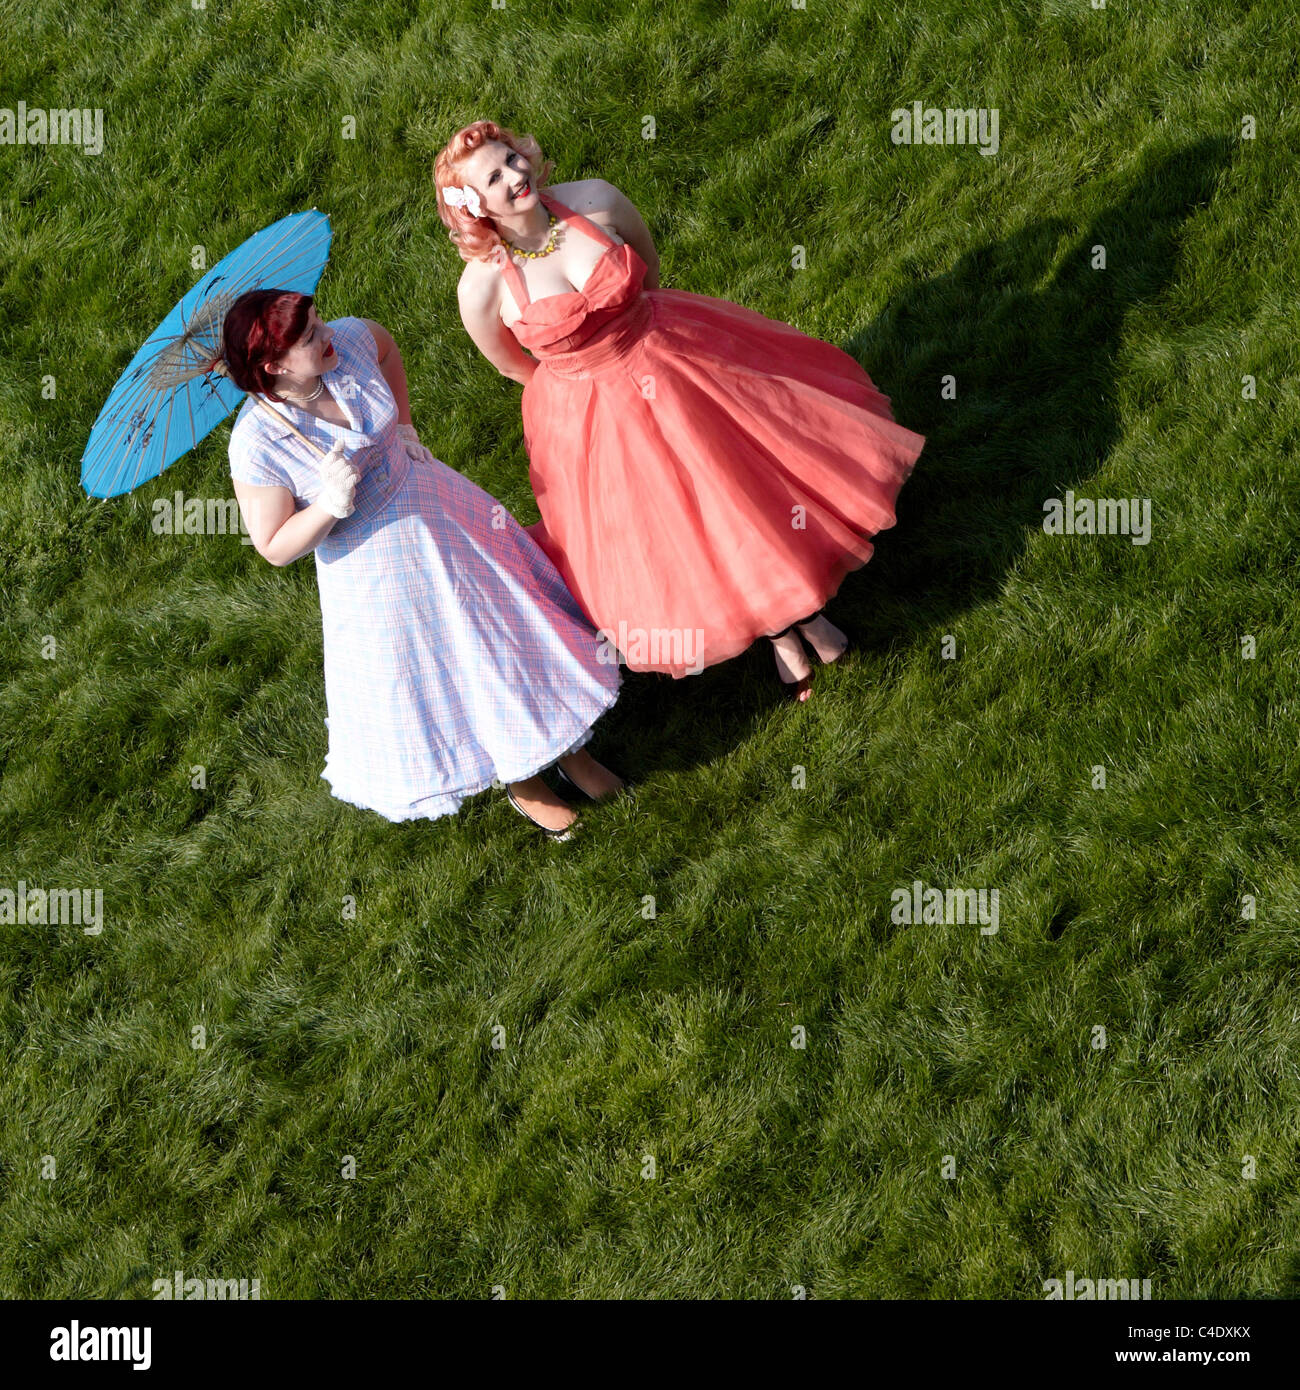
(1035, 412)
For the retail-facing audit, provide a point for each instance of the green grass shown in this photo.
(628, 1035)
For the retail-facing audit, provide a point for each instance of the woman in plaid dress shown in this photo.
(454, 655)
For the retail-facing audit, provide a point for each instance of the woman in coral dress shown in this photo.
(705, 476)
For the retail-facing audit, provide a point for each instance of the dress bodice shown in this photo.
(264, 450)
(559, 323)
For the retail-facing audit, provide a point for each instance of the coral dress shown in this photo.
(705, 475)
(454, 655)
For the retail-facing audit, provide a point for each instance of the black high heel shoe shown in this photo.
(559, 836)
(628, 789)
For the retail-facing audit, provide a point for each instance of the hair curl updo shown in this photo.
(476, 238)
(259, 328)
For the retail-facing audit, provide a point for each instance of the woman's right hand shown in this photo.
(339, 477)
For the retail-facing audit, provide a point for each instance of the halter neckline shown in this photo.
(514, 276)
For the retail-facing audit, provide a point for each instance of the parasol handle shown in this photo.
(284, 420)
(221, 370)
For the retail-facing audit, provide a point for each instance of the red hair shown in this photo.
(259, 328)
(476, 238)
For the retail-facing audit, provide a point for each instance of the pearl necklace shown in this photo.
(304, 400)
(545, 251)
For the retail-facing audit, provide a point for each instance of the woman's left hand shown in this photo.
(414, 449)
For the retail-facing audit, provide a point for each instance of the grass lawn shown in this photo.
(1109, 1083)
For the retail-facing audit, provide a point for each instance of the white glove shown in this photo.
(335, 462)
(339, 479)
(414, 449)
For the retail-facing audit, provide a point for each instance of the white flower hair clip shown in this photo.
(463, 198)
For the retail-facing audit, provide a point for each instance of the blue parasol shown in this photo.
(175, 391)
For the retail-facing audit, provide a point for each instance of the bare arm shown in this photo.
(390, 364)
(480, 312)
(628, 223)
(280, 533)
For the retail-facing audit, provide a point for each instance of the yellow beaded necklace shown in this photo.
(545, 251)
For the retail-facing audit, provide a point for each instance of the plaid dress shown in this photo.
(454, 655)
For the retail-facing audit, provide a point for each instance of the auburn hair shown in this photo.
(476, 238)
(259, 328)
